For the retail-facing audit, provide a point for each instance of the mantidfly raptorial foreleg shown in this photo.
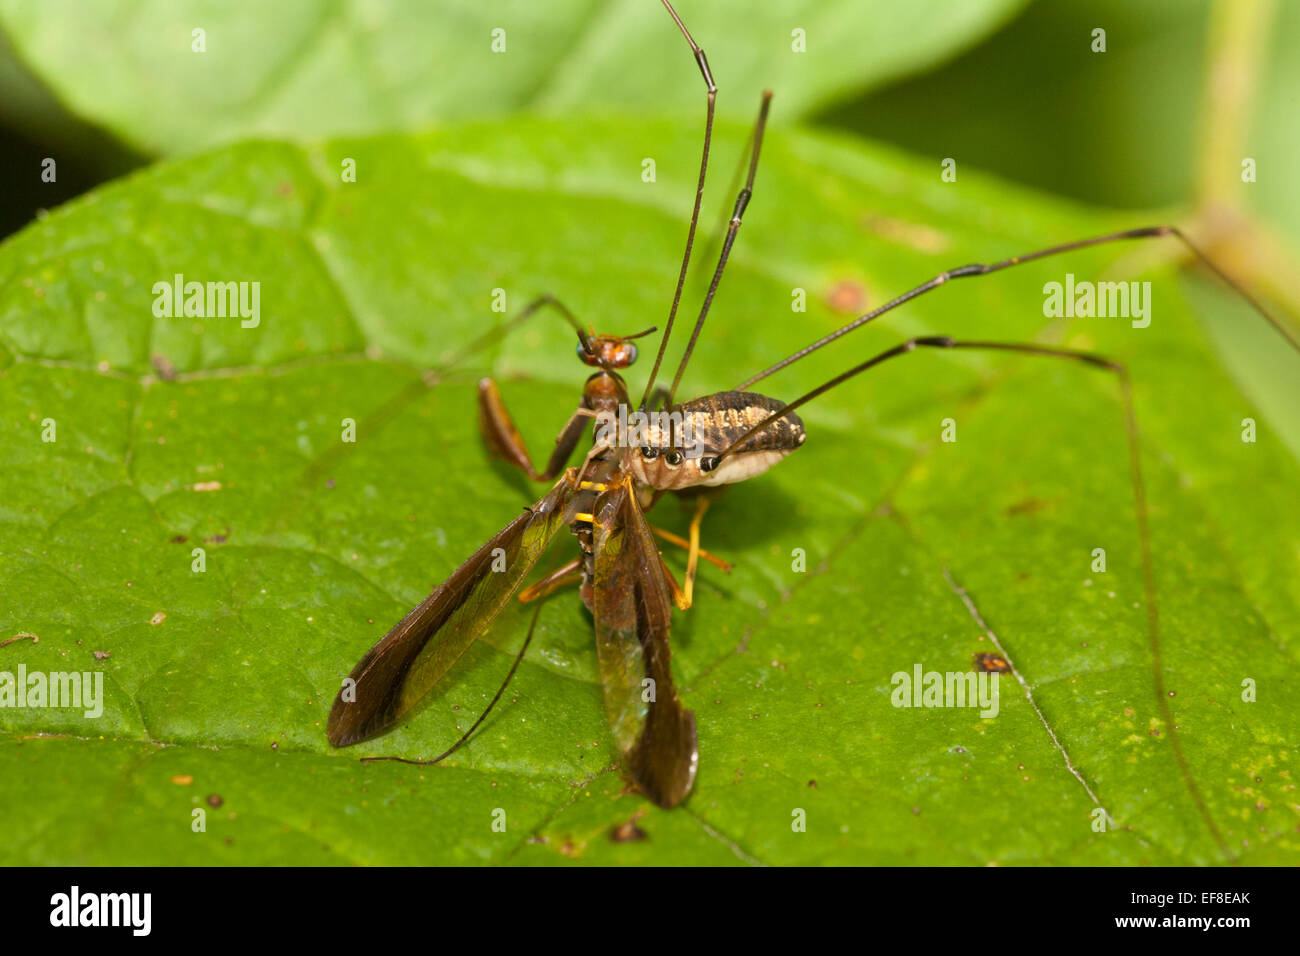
(504, 441)
(606, 352)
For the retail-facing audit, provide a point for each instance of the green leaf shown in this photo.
(183, 433)
(309, 68)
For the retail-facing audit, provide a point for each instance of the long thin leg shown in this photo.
(922, 341)
(532, 625)
(724, 216)
(1139, 498)
(563, 576)
(684, 594)
(685, 545)
(981, 269)
(703, 63)
(693, 558)
(678, 594)
(733, 227)
(505, 442)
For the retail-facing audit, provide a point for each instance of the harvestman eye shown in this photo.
(708, 464)
(673, 458)
(649, 453)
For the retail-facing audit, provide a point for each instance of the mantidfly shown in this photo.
(679, 447)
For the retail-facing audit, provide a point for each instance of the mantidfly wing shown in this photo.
(632, 609)
(410, 659)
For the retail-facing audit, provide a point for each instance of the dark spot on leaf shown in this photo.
(1028, 506)
(628, 831)
(991, 664)
(214, 800)
(164, 367)
(179, 539)
(102, 655)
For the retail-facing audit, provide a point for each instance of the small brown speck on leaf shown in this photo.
(22, 635)
(214, 800)
(158, 618)
(991, 664)
(164, 367)
(102, 655)
(628, 831)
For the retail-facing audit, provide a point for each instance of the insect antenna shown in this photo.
(981, 269)
(639, 335)
(733, 227)
(703, 62)
(465, 736)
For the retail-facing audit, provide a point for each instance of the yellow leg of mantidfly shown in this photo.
(693, 555)
(685, 545)
(680, 597)
(566, 574)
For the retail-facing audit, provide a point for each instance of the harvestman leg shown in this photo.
(685, 595)
(982, 269)
(685, 545)
(702, 62)
(733, 227)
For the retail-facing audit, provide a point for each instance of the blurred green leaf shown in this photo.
(218, 683)
(310, 68)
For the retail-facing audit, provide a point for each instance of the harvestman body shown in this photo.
(622, 578)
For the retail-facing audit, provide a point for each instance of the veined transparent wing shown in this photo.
(632, 609)
(410, 659)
